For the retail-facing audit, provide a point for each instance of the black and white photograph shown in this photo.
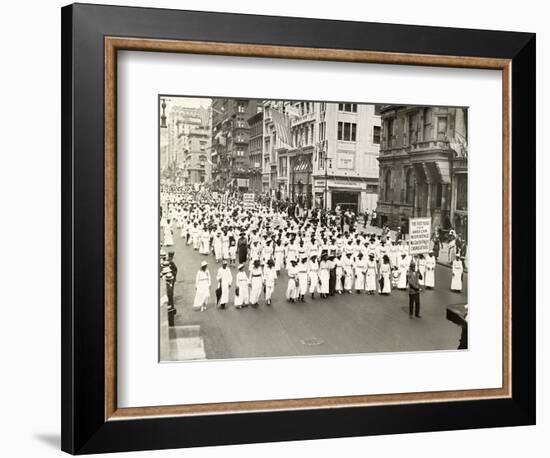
(293, 228)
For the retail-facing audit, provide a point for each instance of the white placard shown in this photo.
(143, 381)
(419, 235)
(248, 199)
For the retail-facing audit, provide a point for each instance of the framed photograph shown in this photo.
(284, 228)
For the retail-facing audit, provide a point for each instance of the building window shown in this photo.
(442, 128)
(462, 192)
(438, 195)
(372, 189)
(377, 110)
(387, 186)
(412, 128)
(409, 187)
(240, 108)
(376, 135)
(283, 166)
(348, 107)
(322, 130)
(389, 132)
(427, 124)
(347, 131)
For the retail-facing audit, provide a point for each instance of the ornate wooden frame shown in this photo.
(92, 422)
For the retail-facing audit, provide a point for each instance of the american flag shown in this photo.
(282, 127)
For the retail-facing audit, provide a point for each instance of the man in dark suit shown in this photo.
(413, 278)
(171, 282)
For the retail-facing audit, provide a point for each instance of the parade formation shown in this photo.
(322, 253)
(294, 227)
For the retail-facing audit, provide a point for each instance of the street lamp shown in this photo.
(163, 116)
(327, 159)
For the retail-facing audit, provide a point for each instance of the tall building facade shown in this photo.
(230, 139)
(175, 150)
(304, 133)
(424, 166)
(322, 155)
(276, 144)
(197, 162)
(255, 151)
(345, 166)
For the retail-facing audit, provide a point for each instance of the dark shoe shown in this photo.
(418, 316)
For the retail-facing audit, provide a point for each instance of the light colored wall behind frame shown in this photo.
(30, 233)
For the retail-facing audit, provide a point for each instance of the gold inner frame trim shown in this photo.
(114, 44)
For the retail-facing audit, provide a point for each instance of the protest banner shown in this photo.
(419, 235)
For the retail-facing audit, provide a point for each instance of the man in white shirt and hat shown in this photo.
(225, 279)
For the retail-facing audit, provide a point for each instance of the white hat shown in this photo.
(204, 263)
(240, 266)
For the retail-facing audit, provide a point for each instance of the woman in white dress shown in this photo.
(224, 278)
(232, 253)
(291, 289)
(370, 286)
(403, 267)
(290, 255)
(458, 269)
(267, 252)
(279, 256)
(194, 237)
(451, 253)
(168, 234)
(360, 267)
(339, 273)
(218, 246)
(225, 246)
(204, 242)
(385, 273)
(324, 276)
(256, 283)
(241, 288)
(202, 288)
(313, 272)
(421, 266)
(347, 264)
(394, 255)
(302, 279)
(270, 276)
(429, 281)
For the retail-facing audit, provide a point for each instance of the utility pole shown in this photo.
(326, 180)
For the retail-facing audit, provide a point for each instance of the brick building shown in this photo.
(424, 166)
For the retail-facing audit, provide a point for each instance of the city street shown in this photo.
(343, 324)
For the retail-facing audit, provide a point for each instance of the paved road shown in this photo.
(337, 325)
